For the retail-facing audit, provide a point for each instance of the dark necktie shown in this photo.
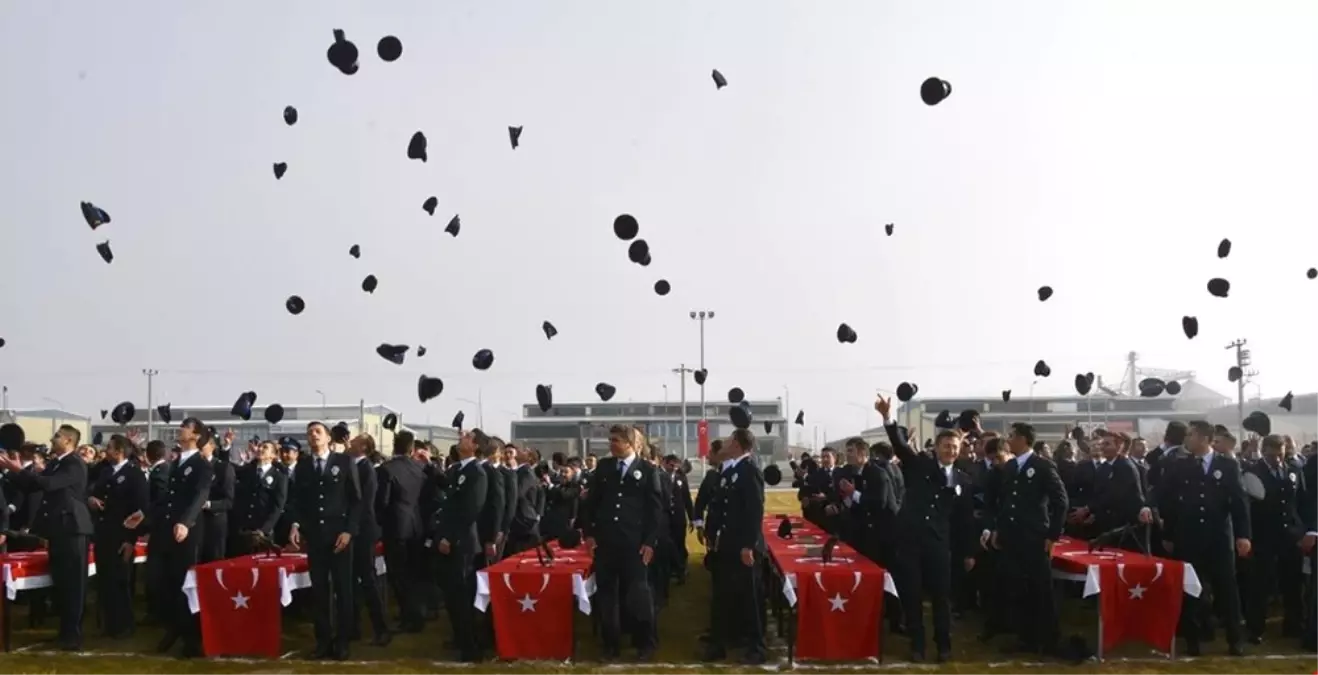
(320, 466)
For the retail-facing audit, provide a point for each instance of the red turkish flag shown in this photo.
(1141, 601)
(239, 610)
(838, 615)
(533, 613)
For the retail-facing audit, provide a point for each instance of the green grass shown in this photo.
(681, 622)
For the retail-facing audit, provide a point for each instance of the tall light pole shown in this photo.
(480, 408)
(1031, 417)
(323, 406)
(1242, 361)
(681, 372)
(150, 373)
(701, 316)
(665, 395)
(60, 406)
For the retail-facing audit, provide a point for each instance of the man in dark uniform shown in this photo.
(817, 488)
(622, 514)
(1277, 528)
(660, 567)
(326, 500)
(64, 522)
(262, 493)
(1309, 547)
(709, 486)
(398, 505)
(494, 514)
(289, 452)
(738, 549)
(680, 511)
(215, 512)
(367, 588)
(156, 465)
(562, 501)
(524, 523)
(1205, 518)
(457, 539)
(507, 463)
(1080, 490)
(1118, 491)
(121, 492)
(1027, 522)
(936, 511)
(175, 536)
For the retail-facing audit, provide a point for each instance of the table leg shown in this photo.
(4, 613)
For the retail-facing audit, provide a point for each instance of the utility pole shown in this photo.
(701, 316)
(681, 372)
(1242, 361)
(150, 373)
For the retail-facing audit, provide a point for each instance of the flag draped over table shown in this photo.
(240, 610)
(533, 612)
(1140, 601)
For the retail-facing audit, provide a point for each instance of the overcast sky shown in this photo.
(1101, 148)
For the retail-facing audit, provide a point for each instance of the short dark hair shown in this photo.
(829, 450)
(1025, 430)
(485, 445)
(744, 438)
(196, 425)
(715, 445)
(856, 442)
(671, 458)
(319, 423)
(882, 449)
(156, 451)
(1273, 442)
(946, 433)
(68, 430)
(1202, 427)
(404, 442)
(993, 445)
(1175, 433)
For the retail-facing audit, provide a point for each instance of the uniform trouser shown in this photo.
(1217, 574)
(68, 575)
(214, 537)
(1273, 567)
(737, 607)
(679, 554)
(623, 584)
(987, 580)
(923, 569)
(367, 587)
(401, 558)
(1027, 577)
(114, 595)
(1310, 632)
(331, 593)
(176, 558)
(458, 579)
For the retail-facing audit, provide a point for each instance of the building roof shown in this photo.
(47, 413)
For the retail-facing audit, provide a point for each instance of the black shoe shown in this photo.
(69, 645)
(191, 650)
(944, 655)
(917, 655)
(322, 652)
(167, 643)
(1255, 639)
(383, 640)
(754, 659)
(1192, 649)
(1236, 649)
(713, 654)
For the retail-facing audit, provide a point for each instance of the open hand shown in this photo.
(341, 542)
(883, 406)
(647, 554)
(747, 557)
(180, 532)
(1243, 547)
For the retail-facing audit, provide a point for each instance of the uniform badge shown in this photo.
(636, 474)
(1294, 478)
(187, 472)
(462, 479)
(679, 483)
(334, 471)
(120, 479)
(1217, 475)
(734, 477)
(1029, 473)
(957, 489)
(726, 482)
(269, 480)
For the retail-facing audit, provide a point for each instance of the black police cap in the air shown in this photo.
(420, 350)
(355, 251)
(1312, 273)
(625, 227)
(907, 391)
(1173, 388)
(773, 475)
(944, 420)
(342, 54)
(290, 115)
(104, 412)
(887, 229)
(458, 419)
(1084, 382)
(1234, 373)
(429, 387)
(12, 436)
(605, 391)
(544, 395)
(482, 360)
(106, 254)
(934, 90)
(1006, 395)
(294, 305)
(645, 262)
(1224, 248)
(94, 215)
(1190, 326)
(1258, 422)
(845, 334)
(280, 169)
(274, 413)
(662, 287)
(416, 147)
(369, 283)
(1219, 287)
(700, 375)
(741, 416)
(243, 406)
(392, 353)
(389, 48)
(1151, 387)
(1287, 401)
(429, 206)
(514, 133)
(768, 427)
(123, 413)
(454, 226)
(719, 81)
(800, 417)
(1045, 292)
(390, 422)
(967, 420)
(1041, 369)
(98, 438)
(638, 250)
(549, 330)
(736, 395)
(165, 413)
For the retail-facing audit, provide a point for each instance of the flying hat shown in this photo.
(1190, 325)
(846, 334)
(457, 420)
(740, 415)
(1173, 388)
(1084, 382)
(123, 413)
(482, 360)
(1219, 287)
(165, 413)
(662, 287)
(625, 227)
(416, 148)
(1151, 387)
(1287, 401)
(1006, 395)
(294, 305)
(355, 251)
(94, 215)
(605, 391)
(430, 204)
(638, 250)
(1258, 422)
(800, 417)
(1041, 369)
(392, 353)
(369, 283)
(700, 375)
(390, 422)
(429, 387)
(768, 427)
(513, 134)
(719, 81)
(773, 475)
(389, 48)
(420, 350)
(907, 391)
(280, 169)
(106, 254)
(290, 115)
(934, 90)
(1224, 248)
(454, 226)
(549, 330)
(342, 54)
(544, 395)
(243, 406)
(274, 413)
(1045, 292)
(736, 395)
(944, 420)
(12, 436)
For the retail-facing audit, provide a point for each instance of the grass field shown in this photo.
(682, 621)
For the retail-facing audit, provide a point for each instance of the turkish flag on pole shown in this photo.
(533, 613)
(239, 607)
(838, 617)
(702, 438)
(1141, 600)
